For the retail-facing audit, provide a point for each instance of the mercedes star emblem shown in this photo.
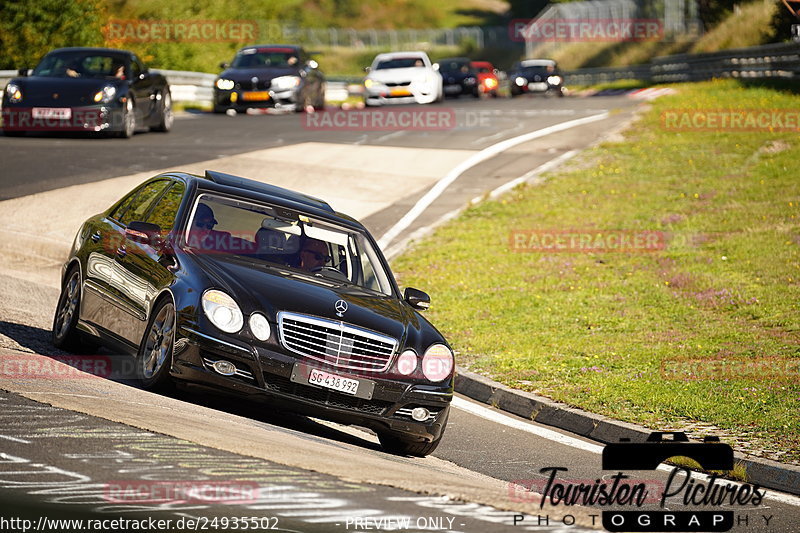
(341, 307)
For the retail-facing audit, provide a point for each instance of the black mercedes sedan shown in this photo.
(278, 76)
(459, 77)
(89, 90)
(261, 292)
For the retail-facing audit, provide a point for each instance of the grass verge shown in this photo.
(699, 336)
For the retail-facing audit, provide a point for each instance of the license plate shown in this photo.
(255, 96)
(449, 89)
(63, 113)
(332, 381)
(308, 375)
(537, 86)
(400, 92)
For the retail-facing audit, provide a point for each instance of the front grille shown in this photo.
(324, 396)
(336, 343)
(397, 83)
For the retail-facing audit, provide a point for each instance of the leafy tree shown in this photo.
(29, 29)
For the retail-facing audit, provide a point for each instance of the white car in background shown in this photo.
(403, 78)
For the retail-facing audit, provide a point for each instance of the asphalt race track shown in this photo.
(67, 445)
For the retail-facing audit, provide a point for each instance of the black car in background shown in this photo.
(260, 292)
(459, 77)
(89, 90)
(270, 76)
(536, 76)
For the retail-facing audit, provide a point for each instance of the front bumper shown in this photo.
(267, 374)
(82, 118)
(240, 100)
(416, 93)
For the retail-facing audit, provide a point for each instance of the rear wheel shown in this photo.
(154, 360)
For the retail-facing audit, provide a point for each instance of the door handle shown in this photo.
(121, 251)
(95, 236)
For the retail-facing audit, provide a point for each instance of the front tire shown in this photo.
(166, 117)
(400, 445)
(154, 360)
(65, 334)
(128, 119)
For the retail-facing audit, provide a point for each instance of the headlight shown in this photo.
(105, 95)
(225, 85)
(284, 83)
(554, 80)
(13, 92)
(259, 326)
(368, 83)
(490, 83)
(520, 81)
(437, 364)
(222, 311)
(407, 362)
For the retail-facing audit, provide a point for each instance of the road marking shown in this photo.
(487, 153)
(493, 415)
(498, 417)
(14, 439)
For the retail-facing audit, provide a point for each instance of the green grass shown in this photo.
(593, 329)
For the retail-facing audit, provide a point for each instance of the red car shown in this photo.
(487, 78)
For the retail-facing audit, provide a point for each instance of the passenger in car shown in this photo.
(314, 254)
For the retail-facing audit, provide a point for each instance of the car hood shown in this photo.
(456, 76)
(60, 92)
(263, 74)
(256, 286)
(401, 74)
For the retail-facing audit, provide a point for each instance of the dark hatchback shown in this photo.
(260, 292)
(89, 90)
(536, 76)
(279, 76)
(459, 77)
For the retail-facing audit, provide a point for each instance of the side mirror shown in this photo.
(417, 299)
(367, 69)
(224, 65)
(23, 71)
(435, 67)
(145, 233)
(312, 64)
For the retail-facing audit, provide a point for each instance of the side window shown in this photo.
(143, 201)
(117, 213)
(165, 210)
(136, 69)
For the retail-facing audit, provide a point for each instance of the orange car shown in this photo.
(487, 78)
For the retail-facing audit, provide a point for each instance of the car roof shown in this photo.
(91, 49)
(265, 192)
(537, 63)
(459, 59)
(292, 46)
(394, 55)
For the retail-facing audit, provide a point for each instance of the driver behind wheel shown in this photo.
(314, 255)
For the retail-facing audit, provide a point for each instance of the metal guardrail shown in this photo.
(775, 61)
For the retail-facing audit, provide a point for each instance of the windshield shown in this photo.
(83, 64)
(454, 66)
(400, 62)
(297, 243)
(265, 57)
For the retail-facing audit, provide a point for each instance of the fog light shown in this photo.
(226, 368)
(420, 414)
